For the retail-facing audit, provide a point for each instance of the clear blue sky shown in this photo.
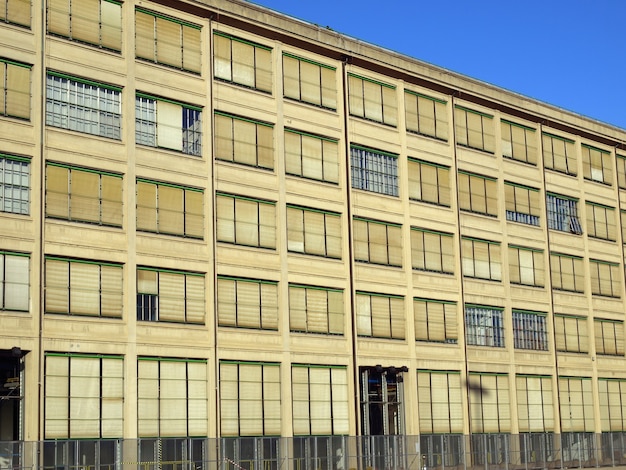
(569, 53)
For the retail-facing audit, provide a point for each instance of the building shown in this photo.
(219, 222)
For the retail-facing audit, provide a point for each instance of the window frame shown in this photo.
(324, 102)
(525, 212)
(577, 264)
(559, 210)
(621, 170)
(382, 111)
(295, 236)
(394, 316)
(611, 392)
(569, 164)
(607, 331)
(267, 310)
(394, 252)
(495, 266)
(595, 223)
(530, 330)
(490, 412)
(445, 262)
(19, 21)
(7, 286)
(597, 281)
(535, 407)
(564, 326)
(262, 240)
(12, 105)
(263, 156)
(417, 180)
(11, 186)
(576, 404)
(440, 327)
(493, 334)
(374, 170)
(526, 152)
(297, 164)
(328, 322)
(421, 122)
(592, 171)
(440, 404)
(464, 128)
(516, 273)
(477, 195)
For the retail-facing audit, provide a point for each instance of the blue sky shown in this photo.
(569, 53)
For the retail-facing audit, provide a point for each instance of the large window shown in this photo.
(15, 12)
(435, 321)
(522, 203)
(576, 402)
(621, 171)
(426, 115)
(612, 396)
(14, 184)
(482, 259)
(571, 333)
(14, 281)
(246, 221)
(83, 195)
(168, 124)
(563, 214)
(380, 316)
(97, 22)
(309, 81)
(377, 242)
(429, 182)
(249, 399)
(535, 406)
(484, 326)
(609, 335)
(601, 221)
(518, 142)
(374, 170)
(316, 309)
(490, 412)
(530, 330)
(242, 62)
(568, 272)
(170, 296)
(81, 287)
(478, 194)
(474, 129)
(439, 401)
(311, 156)
(168, 41)
(15, 96)
(372, 100)
(605, 278)
(432, 250)
(247, 303)
(313, 231)
(84, 396)
(597, 165)
(245, 141)
(526, 266)
(84, 106)
(559, 154)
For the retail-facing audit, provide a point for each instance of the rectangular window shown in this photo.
(518, 142)
(374, 170)
(168, 124)
(15, 12)
(612, 396)
(247, 303)
(249, 399)
(522, 203)
(609, 335)
(621, 171)
(478, 194)
(97, 22)
(170, 296)
(168, 41)
(309, 81)
(568, 272)
(571, 333)
(484, 326)
(377, 242)
(439, 401)
(535, 406)
(83, 106)
(246, 221)
(84, 195)
(490, 412)
(576, 403)
(84, 396)
(474, 129)
(372, 100)
(314, 232)
(597, 165)
(563, 214)
(530, 330)
(320, 400)
(14, 184)
(170, 209)
(605, 278)
(14, 281)
(426, 115)
(81, 287)
(435, 321)
(380, 316)
(601, 221)
(245, 141)
(559, 154)
(15, 96)
(482, 259)
(242, 62)
(432, 250)
(171, 397)
(311, 156)
(622, 214)
(526, 266)
(429, 182)
(316, 310)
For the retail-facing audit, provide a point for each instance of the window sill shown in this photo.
(307, 103)
(513, 159)
(428, 136)
(488, 152)
(241, 86)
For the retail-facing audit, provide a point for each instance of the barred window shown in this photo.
(478, 194)
(576, 403)
(14, 281)
(482, 259)
(612, 396)
(609, 336)
(474, 129)
(530, 330)
(535, 406)
(490, 412)
(380, 315)
(313, 231)
(435, 320)
(247, 303)
(15, 12)
(316, 309)
(568, 272)
(571, 333)
(246, 221)
(559, 154)
(484, 326)
(526, 266)
(14, 184)
(309, 81)
(244, 141)
(605, 278)
(429, 182)
(601, 221)
(426, 115)
(439, 400)
(15, 96)
(372, 100)
(377, 242)
(311, 156)
(522, 203)
(432, 251)
(597, 165)
(518, 142)
(563, 214)
(374, 170)
(242, 62)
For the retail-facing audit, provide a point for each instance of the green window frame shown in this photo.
(530, 330)
(559, 154)
(597, 165)
(474, 129)
(612, 396)
(374, 170)
(426, 115)
(15, 99)
(576, 403)
(432, 250)
(523, 204)
(567, 272)
(242, 62)
(244, 141)
(380, 315)
(609, 336)
(571, 333)
(14, 281)
(309, 81)
(440, 403)
(311, 156)
(481, 259)
(606, 278)
(535, 405)
(435, 321)
(313, 231)
(246, 221)
(15, 179)
(518, 142)
(478, 194)
(247, 303)
(621, 170)
(484, 326)
(314, 309)
(526, 266)
(429, 182)
(16, 12)
(372, 100)
(377, 242)
(490, 412)
(601, 221)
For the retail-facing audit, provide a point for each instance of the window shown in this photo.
(526, 266)
(171, 397)
(15, 96)
(309, 81)
(559, 154)
(530, 330)
(576, 403)
(170, 209)
(81, 287)
(571, 333)
(14, 184)
(83, 106)
(314, 232)
(601, 221)
(621, 171)
(426, 115)
(484, 326)
(168, 124)
(168, 41)
(474, 129)
(435, 321)
(170, 296)
(568, 272)
(311, 156)
(14, 281)
(380, 316)
(535, 406)
(439, 401)
(482, 259)
(84, 396)
(242, 62)
(597, 165)
(518, 142)
(522, 203)
(478, 194)
(432, 251)
(97, 22)
(249, 399)
(374, 170)
(15, 12)
(316, 310)
(612, 396)
(377, 242)
(372, 100)
(244, 141)
(320, 400)
(246, 221)
(83, 195)
(490, 412)
(247, 303)
(609, 335)
(429, 182)
(605, 278)
(563, 214)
